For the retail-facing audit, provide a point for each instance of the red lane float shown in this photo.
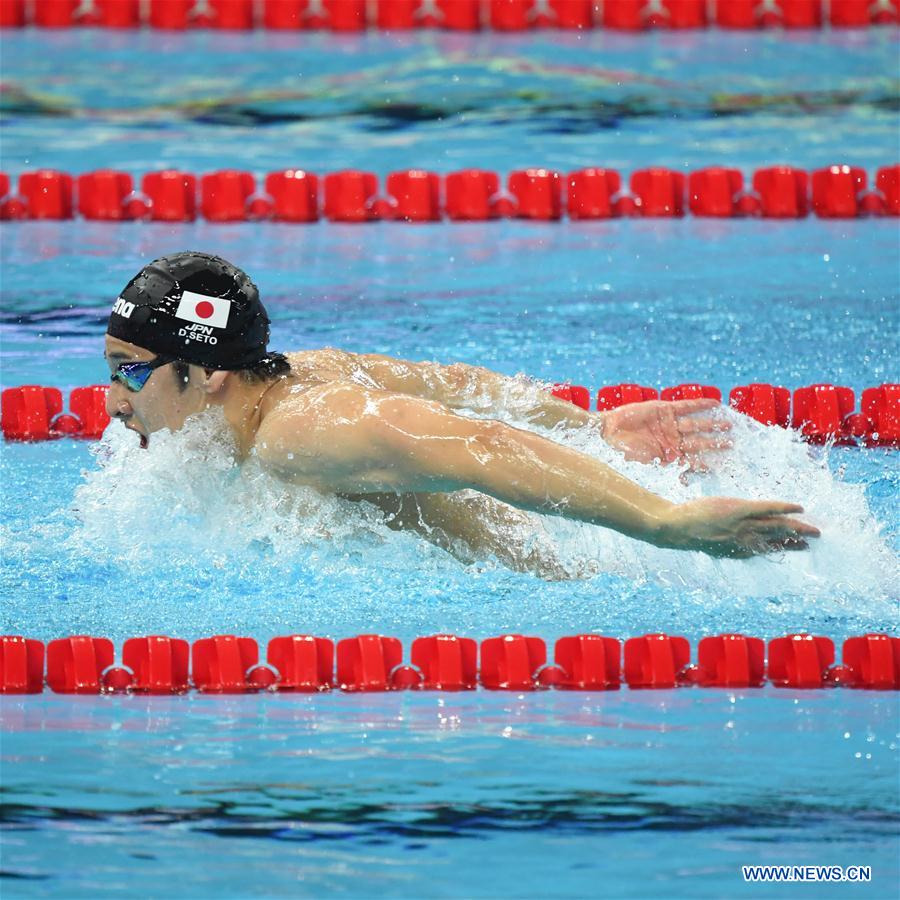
(511, 662)
(715, 192)
(225, 195)
(566, 14)
(170, 15)
(873, 662)
(172, 195)
(658, 192)
(472, 195)
(12, 14)
(800, 661)
(764, 402)
(34, 413)
(622, 394)
(10, 207)
(69, 13)
(403, 15)
(75, 665)
(367, 662)
(117, 13)
(102, 195)
(177, 15)
(731, 660)
(220, 664)
(292, 195)
(158, 664)
(88, 407)
(782, 192)
(573, 393)
(46, 194)
(350, 196)
(879, 422)
(837, 191)
(821, 411)
(637, 15)
(887, 181)
(510, 15)
(305, 664)
(28, 411)
(860, 13)
(591, 193)
(748, 14)
(295, 195)
(283, 15)
(447, 662)
(460, 15)
(414, 196)
(54, 13)
(537, 193)
(656, 661)
(21, 665)
(587, 662)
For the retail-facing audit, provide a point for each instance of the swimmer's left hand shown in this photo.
(666, 431)
(728, 527)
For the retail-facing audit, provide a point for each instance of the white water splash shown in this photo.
(185, 498)
(851, 557)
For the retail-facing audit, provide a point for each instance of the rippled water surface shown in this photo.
(631, 794)
(446, 796)
(82, 99)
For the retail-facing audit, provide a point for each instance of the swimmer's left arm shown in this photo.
(664, 431)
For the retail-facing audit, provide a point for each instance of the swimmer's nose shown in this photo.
(117, 407)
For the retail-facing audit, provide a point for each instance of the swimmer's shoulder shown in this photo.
(317, 434)
(309, 400)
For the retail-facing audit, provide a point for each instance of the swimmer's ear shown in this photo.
(214, 380)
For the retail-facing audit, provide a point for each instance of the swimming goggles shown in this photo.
(134, 375)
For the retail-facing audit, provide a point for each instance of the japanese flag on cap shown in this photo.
(203, 310)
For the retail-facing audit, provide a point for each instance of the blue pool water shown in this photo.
(636, 794)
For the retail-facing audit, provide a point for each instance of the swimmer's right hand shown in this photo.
(725, 527)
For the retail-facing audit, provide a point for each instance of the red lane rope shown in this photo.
(451, 15)
(820, 412)
(414, 195)
(228, 664)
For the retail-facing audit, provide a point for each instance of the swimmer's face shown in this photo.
(160, 403)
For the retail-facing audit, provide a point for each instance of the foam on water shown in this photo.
(186, 504)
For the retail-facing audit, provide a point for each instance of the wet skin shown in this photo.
(373, 428)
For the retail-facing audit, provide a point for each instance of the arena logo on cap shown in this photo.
(123, 308)
(203, 310)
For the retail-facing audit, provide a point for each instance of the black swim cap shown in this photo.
(194, 307)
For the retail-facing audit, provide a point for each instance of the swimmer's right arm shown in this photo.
(353, 440)
(681, 431)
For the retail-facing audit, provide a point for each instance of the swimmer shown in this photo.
(189, 332)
